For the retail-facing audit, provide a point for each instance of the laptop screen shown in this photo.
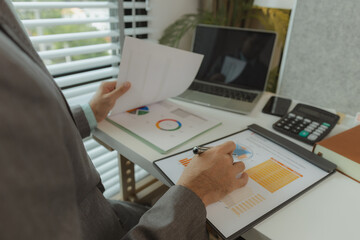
(233, 56)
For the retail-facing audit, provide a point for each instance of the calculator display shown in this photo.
(313, 112)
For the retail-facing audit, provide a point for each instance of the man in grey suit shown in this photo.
(49, 187)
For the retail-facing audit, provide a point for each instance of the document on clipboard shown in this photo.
(279, 171)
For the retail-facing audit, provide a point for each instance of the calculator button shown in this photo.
(316, 133)
(299, 117)
(296, 131)
(303, 133)
(308, 129)
(312, 137)
(307, 120)
(323, 127)
(315, 123)
(326, 124)
(287, 127)
(291, 115)
(320, 131)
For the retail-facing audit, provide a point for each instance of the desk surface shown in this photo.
(328, 211)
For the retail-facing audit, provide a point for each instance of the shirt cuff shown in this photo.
(89, 116)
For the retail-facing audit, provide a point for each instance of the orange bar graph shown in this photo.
(246, 205)
(272, 175)
(185, 161)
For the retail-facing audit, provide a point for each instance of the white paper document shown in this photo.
(275, 175)
(163, 125)
(156, 72)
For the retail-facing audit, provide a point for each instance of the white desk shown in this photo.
(328, 211)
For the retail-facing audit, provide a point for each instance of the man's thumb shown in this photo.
(121, 90)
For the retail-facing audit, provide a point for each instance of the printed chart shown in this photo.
(185, 161)
(275, 176)
(243, 152)
(168, 124)
(272, 175)
(139, 111)
(242, 200)
(163, 125)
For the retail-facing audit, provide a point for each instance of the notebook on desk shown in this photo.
(235, 68)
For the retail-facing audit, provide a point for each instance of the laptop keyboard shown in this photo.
(224, 92)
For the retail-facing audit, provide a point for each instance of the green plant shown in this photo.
(223, 12)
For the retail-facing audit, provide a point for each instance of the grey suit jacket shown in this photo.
(49, 188)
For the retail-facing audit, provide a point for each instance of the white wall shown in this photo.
(321, 58)
(165, 12)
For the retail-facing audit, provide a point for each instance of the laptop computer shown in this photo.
(235, 67)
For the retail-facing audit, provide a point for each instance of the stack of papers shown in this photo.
(156, 73)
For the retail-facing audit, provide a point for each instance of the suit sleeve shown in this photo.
(179, 214)
(81, 121)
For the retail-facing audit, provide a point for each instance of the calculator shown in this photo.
(307, 123)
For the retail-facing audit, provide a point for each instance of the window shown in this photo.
(80, 43)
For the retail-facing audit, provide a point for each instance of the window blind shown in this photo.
(80, 43)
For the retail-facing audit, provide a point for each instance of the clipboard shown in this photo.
(279, 172)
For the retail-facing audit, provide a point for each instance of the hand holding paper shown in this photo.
(105, 97)
(156, 72)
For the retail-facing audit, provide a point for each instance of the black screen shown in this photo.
(234, 56)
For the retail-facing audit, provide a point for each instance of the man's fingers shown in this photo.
(242, 181)
(227, 147)
(120, 90)
(238, 169)
(109, 85)
(240, 166)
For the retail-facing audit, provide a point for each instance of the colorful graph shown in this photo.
(139, 111)
(242, 152)
(168, 125)
(272, 175)
(185, 161)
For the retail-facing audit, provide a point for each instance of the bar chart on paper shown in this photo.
(275, 176)
(272, 175)
(242, 200)
(185, 161)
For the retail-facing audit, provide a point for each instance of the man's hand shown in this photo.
(105, 98)
(212, 175)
